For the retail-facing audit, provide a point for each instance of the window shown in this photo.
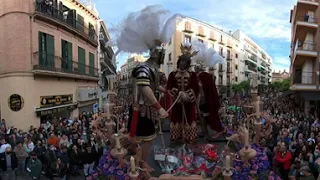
(236, 55)
(92, 32)
(66, 51)
(46, 51)
(213, 46)
(187, 26)
(187, 38)
(221, 51)
(80, 23)
(220, 79)
(200, 40)
(170, 57)
(236, 79)
(221, 38)
(91, 64)
(236, 67)
(81, 60)
(228, 54)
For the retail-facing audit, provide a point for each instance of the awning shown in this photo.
(54, 109)
(310, 95)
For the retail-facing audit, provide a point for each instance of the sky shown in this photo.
(265, 21)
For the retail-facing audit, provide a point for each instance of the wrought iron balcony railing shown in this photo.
(51, 63)
(64, 17)
(302, 77)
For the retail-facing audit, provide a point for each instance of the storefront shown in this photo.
(55, 107)
(87, 99)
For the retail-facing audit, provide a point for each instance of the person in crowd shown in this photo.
(75, 161)
(88, 158)
(58, 170)
(21, 154)
(4, 145)
(8, 164)
(53, 140)
(34, 166)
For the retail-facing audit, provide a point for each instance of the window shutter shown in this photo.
(41, 54)
(81, 60)
(63, 55)
(91, 64)
(70, 59)
(50, 51)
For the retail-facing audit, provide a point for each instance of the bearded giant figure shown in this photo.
(183, 87)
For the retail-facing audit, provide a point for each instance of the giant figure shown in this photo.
(145, 31)
(183, 84)
(209, 105)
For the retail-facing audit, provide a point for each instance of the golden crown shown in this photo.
(187, 50)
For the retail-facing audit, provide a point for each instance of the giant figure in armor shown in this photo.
(183, 84)
(145, 31)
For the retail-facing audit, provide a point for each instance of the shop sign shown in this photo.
(87, 94)
(56, 110)
(15, 102)
(51, 101)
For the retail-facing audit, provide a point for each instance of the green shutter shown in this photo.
(70, 59)
(91, 64)
(63, 55)
(50, 51)
(41, 55)
(81, 60)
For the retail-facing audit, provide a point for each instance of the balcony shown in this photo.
(308, 4)
(103, 38)
(229, 57)
(229, 69)
(304, 51)
(61, 19)
(220, 68)
(252, 59)
(249, 68)
(304, 25)
(303, 80)
(50, 65)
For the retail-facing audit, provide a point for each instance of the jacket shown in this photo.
(34, 168)
(3, 161)
(284, 160)
(21, 153)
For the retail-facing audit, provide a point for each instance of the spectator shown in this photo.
(4, 145)
(88, 159)
(8, 163)
(21, 154)
(53, 140)
(58, 170)
(34, 166)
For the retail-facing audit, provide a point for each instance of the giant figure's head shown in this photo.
(157, 52)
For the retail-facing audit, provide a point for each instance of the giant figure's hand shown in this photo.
(163, 113)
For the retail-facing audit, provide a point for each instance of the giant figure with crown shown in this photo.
(182, 85)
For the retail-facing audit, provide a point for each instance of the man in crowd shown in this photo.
(8, 164)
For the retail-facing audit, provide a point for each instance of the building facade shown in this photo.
(234, 47)
(304, 52)
(107, 66)
(123, 80)
(49, 65)
(280, 76)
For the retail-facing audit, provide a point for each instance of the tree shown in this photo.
(242, 86)
(283, 85)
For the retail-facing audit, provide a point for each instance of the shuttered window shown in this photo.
(46, 51)
(91, 64)
(80, 23)
(81, 60)
(66, 50)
